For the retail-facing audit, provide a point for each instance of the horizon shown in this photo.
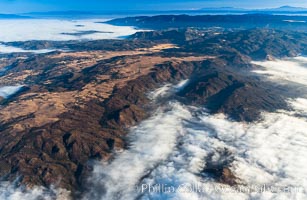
(28, 6)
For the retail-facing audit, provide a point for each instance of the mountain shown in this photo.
(12, 16)
(211, 10)
(226, 9)
(257, 20)
(288, 9)
(78, 104)
(63, 14)
(282, 9)
(69, 12)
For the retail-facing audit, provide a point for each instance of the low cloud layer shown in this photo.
(10, 49)
(285, 71)
(56, 30)
(59, 30)
(10, 191)
(170, 149)
(8, 91)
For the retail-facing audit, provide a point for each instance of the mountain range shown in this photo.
(279, 10)
(209, 10)
(12, 16)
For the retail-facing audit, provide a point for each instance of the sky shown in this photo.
(22, 6)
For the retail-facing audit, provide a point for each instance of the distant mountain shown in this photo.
(288, 8)
(120, 13)
(70, 12)
(246, 21)
(12, 16)
(223, 9)
(282, 9)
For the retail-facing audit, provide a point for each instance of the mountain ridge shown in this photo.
(247, 21)
(13, 16)
(282, 9)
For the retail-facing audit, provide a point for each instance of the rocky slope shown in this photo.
(78, 110)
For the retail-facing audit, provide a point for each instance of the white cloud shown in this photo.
(51, 29)
(170, 149)
(167, 90)
(9, 191)
(56, 30)
(7, 91)
(11, 49)
(294, 21)
(284, 71)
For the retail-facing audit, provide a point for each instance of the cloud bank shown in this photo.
(56, 30)
(171, 148)
(50, 29)
(9, 191)
(8, 91)
(10, 49)
(285, 71)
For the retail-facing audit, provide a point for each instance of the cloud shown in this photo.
(10, 191)
(56, 30)
(10, 49)
(171, 148)
(8, 91)
(284, 71)
(47, 29)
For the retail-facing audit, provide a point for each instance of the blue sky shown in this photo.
(19, 6)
